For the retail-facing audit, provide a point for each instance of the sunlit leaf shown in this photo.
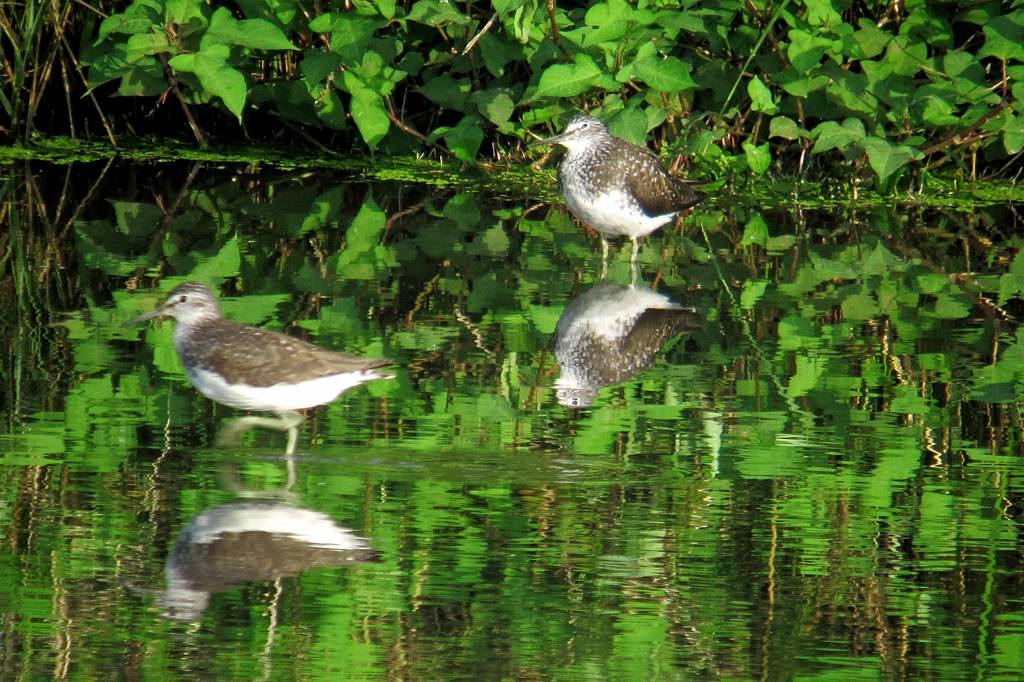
(784, 127)
(215, 75)
(465, 138)
(566, 80)
(806, 49)
(755, 231)
(667, 74)
(258, 34)
(761, 97)
(886, 158)
(367, 109)
(759, 157)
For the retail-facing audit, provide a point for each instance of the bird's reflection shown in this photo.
(609, 334)
(249, 540)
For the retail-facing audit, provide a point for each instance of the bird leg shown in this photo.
(604, 257)
(284, 421)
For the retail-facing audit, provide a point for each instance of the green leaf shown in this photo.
(145, 79)
(375, 74)
(808, 373)
(905, 57)
(759, 157)
(859, 307)
(351, 33)
(182, 12)
(924, 25)
(806, 49)
(630, 124)
(135, 20)
(140, 73)
(935, 110)
(784, 127)
(1013, 132)
(146, 44)
(447, 91)
(465, 138)
(492, 242)
(567, 80)
(821, 13)
(800, 85)
(755, 231)
(606, 22)
(951, 307)
(1004, 37)
(224, 264)
(867, 42)
(330, 109)
(497, 52)
(851, 90)
(831, 135)
(258, 34)
(215, 76)
(497, 106)
(752, 292)
(437, 13)
(367, 109)
(667, 74)
(761, 97)
(386, 8)
(316, 66)
(967, 74)
(886, 158)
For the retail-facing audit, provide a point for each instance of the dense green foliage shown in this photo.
(872, 89)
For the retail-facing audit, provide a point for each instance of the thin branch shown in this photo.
(173, 82)
(89, 91)
(555, 37)
(487, 27)
(411, 131)
(965, 135)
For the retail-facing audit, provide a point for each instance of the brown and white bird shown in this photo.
(614, 186)
(255, 369)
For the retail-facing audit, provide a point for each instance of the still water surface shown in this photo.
(816, 473)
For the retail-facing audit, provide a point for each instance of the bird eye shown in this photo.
(182, 298)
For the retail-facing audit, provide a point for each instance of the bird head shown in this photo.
(187, 302)
(580, 131)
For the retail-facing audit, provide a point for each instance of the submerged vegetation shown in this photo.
(879, 92)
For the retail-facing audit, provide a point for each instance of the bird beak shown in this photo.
(144, 317)
(554, 139)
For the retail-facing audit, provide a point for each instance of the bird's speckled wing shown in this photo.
(259, 357)
(657, 192)
(655, 327)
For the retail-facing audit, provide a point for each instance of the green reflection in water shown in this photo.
(821, 473)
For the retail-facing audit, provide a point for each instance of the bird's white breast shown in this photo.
(279, 397)
(613, 212)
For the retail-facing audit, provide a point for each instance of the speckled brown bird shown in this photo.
(251, 368)
(614, 186)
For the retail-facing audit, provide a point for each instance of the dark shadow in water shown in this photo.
(609, 334)
(250, 540)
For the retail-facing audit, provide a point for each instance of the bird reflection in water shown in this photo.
(609, 334)
(251, 540)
